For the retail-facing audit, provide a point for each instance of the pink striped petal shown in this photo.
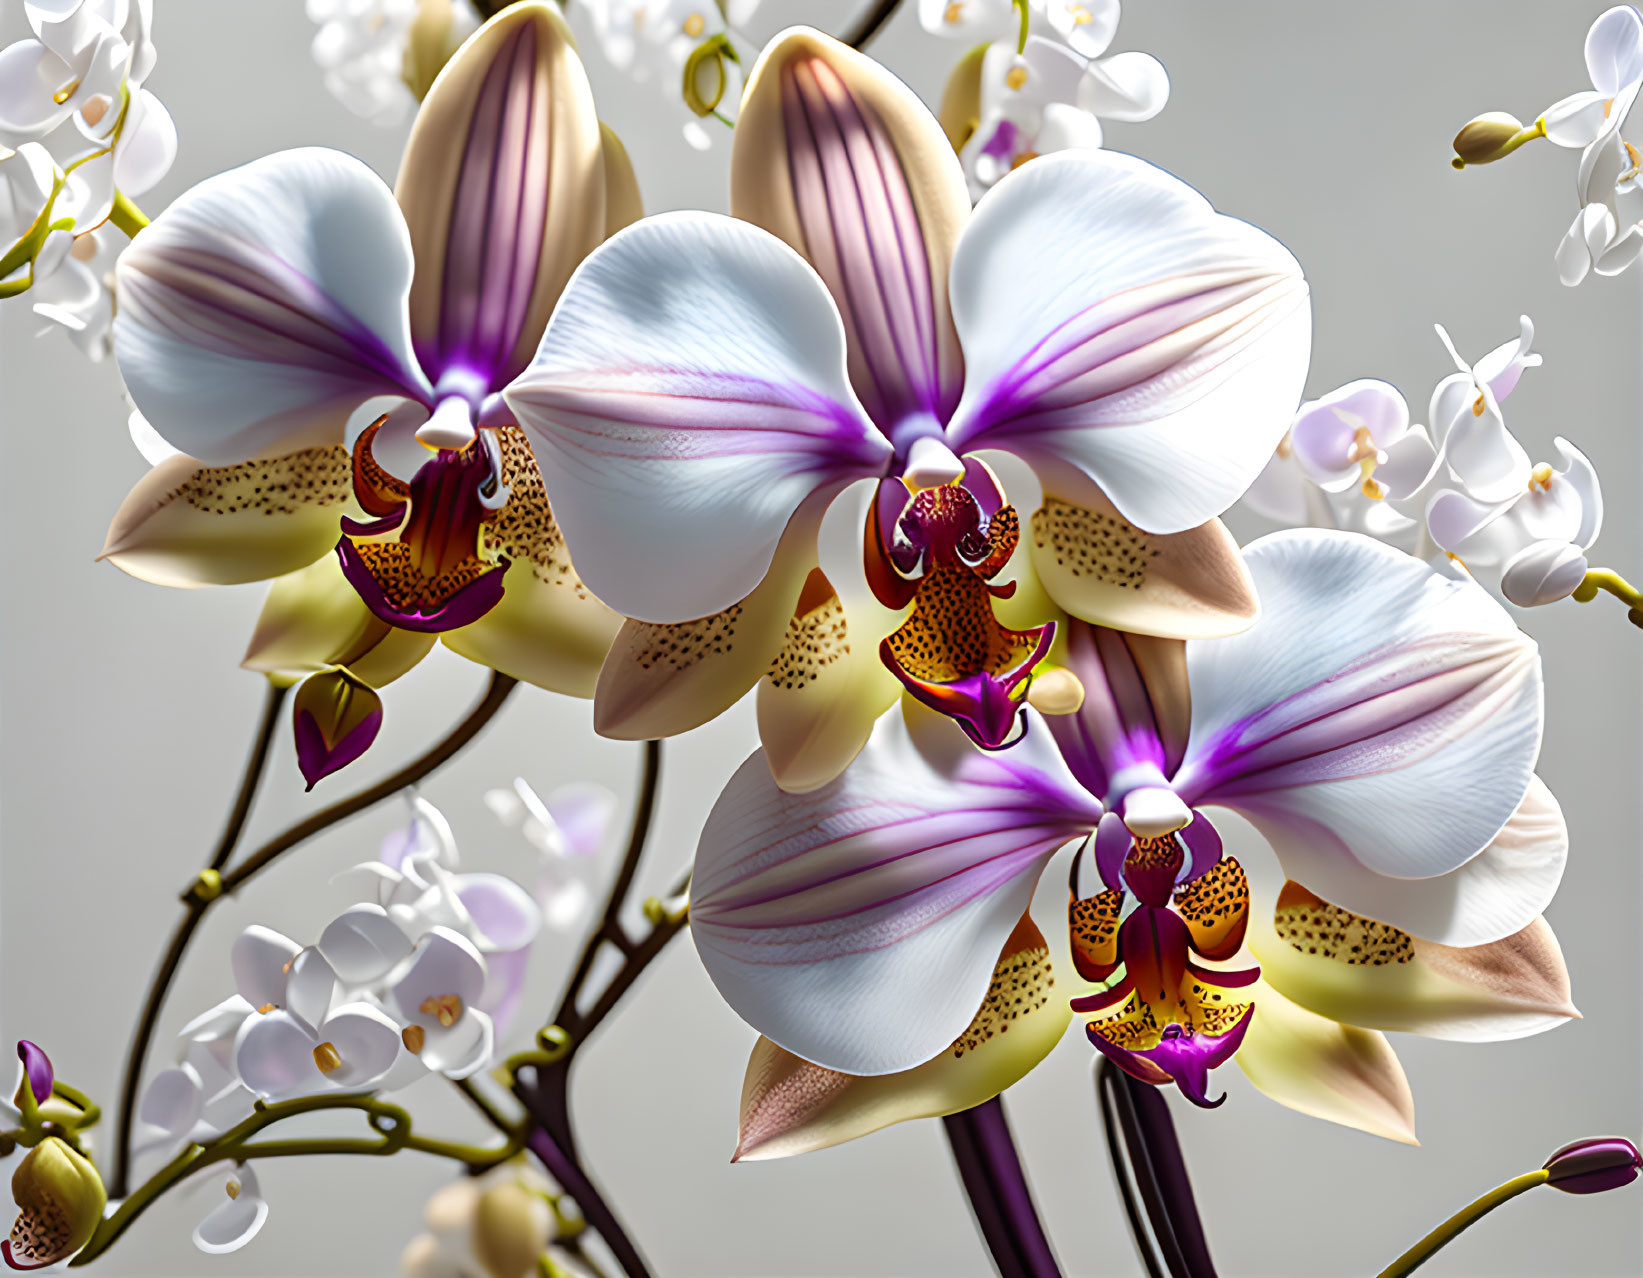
(840, 159)
(689, 394)
(503, 190)
(1379, 719)
(857, 925)
(265, 305)
(1115, 325)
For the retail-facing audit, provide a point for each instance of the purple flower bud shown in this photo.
(336, 716)
(36, 1070)
(1592, 1165)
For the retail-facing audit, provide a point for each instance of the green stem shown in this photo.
(1608, 580)
(127, 216)
(1463, 1219)
(1021, 38)
(390, 1122)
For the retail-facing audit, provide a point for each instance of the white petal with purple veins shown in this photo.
(857, 925)
(689, 394)
(1114, 323)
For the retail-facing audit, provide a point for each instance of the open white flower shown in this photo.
(437, 996)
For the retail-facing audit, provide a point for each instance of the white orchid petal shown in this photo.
(366, 1041)
(363, 944)
(1126, 86)
(173, 1100)
(260, 958)
(274, 1055)
(236, 1221)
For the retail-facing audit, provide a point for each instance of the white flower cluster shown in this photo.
(1052, 93)
(362, 45)
(682, 48)
(86, 64)
(1461, 493)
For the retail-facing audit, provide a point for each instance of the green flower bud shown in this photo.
(1491, 137)
(60, 1199)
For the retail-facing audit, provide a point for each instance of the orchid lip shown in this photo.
(467, 605)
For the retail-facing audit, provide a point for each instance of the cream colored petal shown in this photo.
(623, 203)
(790, 1106)
(1319, 1067)
(1097, 565)
(503, 188)
(839, 158)
(313, 620)
(548, 629)
(1361, 972)
(188, 524)
(660, 680)
(826, 688)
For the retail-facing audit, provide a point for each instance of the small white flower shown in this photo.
(235, 1222)
(1482, 456)
(81, 56)
(360, 46)
(437, 997)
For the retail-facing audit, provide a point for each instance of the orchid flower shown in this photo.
(277, 312)
(1094, 317)
(1378, 724)
(1045, 98)
(201, 1096)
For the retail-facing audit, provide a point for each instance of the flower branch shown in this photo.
(1605, 579)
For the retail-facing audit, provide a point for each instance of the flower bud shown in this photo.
(1593, 1165)
(1543, 573)
(60, 1198)
(1490, 137)
(511, 1226)
(38, 1076)
(336, 716)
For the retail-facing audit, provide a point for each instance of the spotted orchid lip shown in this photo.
(1180, 1057)
(466, 606)
(984, 705)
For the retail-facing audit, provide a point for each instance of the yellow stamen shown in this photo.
(327, 1058)
(266, 1008)
(1478, 405)
(444, 1008)
(1541, 477)
(1015, 77)
(413, 1036)
(1028, 154)
(233, 1188)
(1081, 16)
(65, 93)
(1286, 447)
(1372, 489)
(695, 25)
(954, 13)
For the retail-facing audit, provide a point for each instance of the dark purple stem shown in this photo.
(997, 1188)
(1141, 1114)
(570, 1177)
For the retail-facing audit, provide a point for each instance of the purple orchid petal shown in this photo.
(1112, 845)
(1184, 1058)
(1115, 325)
(36, 1070)
(1203, 843)
(504, 986)
(1113, 742)
(318, 758)
(824, 918)
(688, 398)
(265, 305)
(501, 909)
(583, 813)
(502, 191)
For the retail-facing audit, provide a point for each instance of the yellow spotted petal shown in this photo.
(1320, 1067)
(548, 629)
(313, 620)
(1356, 970)
(790, 1106)
(1097, 565)
(60, 1198)
(663, 679)
(826, 688)
(188, 524)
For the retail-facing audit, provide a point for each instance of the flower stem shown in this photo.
(1136, 1110)
(212, 884)
(390, 1122)
(1607, 579)
(999, 1195)
(1463, 1219)
(871, 23)
(546, 1093)
(126, 216)
(233, 827)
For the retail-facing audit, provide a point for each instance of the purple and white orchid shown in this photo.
(1378, 725)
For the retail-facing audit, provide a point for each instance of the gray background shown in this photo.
(125, 715)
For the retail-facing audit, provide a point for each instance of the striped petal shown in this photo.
(857, 925)
(265, 305)
(1355, 970)
(188, 524)
(790, 1106)
(1332, 1071)
(1114, 324)
(503, 189)
(840, 159)
(1379, 720)
(688, 396)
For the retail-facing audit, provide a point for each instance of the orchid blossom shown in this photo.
(1378, 725)
(281, 312)
(709, 385)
